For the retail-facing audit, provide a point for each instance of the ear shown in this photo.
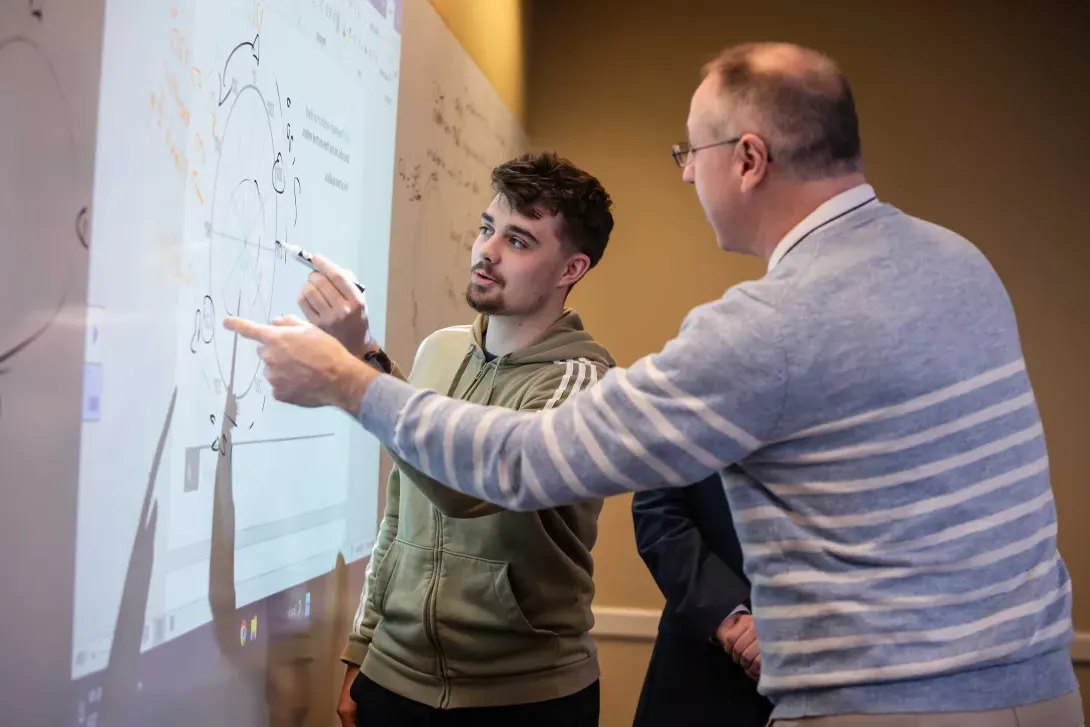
(574, 270)
(754, 158)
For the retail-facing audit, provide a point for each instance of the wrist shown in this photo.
(354, 378)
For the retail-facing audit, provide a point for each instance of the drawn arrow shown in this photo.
(255, 50)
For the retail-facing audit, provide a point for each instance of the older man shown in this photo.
(867, 405)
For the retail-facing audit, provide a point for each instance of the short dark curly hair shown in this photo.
(534, 183)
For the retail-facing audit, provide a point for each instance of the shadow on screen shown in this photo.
(298, 675)
(298, 672)
(122, 678)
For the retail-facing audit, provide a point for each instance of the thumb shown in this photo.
(289, 321)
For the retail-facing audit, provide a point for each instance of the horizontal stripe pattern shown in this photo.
(874, 424)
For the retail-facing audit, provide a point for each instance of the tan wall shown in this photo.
(974, 116)
(492, 32)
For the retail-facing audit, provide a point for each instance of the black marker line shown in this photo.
(254, 50)
(80, 234)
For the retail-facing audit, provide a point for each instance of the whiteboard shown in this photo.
(452, 129)
(131, 183)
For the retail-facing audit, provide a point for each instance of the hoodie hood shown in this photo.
(565, 339)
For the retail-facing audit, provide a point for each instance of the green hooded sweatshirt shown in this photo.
(465, 604)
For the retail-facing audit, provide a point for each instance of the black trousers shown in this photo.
(379, 707)
(696, 684)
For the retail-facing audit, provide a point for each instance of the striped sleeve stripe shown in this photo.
(576, 372)
(449, 430)
(583, 379)
(698, 407)
(919, 403)
(892, 547)
(631, 443)
(562, 466)
(902, 512)
(479, 437)
(664, 427)
(421, 433)
(872, 449)
(586, 437)
(569, 369)
(913, 474)
(906, 603)
(593, 371)
(928, 636)
(533, 484)
(796, 577)
(361, 609)
(913, 669)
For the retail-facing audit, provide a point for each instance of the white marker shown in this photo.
(306, 259)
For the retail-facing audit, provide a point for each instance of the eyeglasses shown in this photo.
(683, 152)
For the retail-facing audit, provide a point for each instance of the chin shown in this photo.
(483, 303)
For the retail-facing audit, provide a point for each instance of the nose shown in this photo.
(490, 249)
(687, 174)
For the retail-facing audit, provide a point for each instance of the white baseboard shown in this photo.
(1080, 650)
(641, 624)
(630, 624)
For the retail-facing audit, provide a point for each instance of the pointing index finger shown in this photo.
(249, 329)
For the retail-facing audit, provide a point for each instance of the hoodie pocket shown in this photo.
(482, 630)
(384, 573)
(401, 597)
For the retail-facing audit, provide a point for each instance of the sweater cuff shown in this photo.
(355, 651)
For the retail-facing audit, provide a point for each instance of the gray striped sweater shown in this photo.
(869, 409)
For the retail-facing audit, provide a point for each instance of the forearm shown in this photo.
(503, 457)
(671, 419)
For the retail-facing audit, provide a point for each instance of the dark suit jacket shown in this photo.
(686, 537)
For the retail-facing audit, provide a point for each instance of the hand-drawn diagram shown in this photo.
(251, 210)
(44, 224)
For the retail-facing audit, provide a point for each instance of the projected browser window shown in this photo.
(226, 126)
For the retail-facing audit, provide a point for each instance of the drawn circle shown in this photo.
(37, 195)
(242, 253)
(208, 319)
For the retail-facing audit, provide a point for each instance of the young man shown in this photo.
(866, 403)
(472, 614)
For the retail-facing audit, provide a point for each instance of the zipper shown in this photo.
(432, 597)
(430, 604)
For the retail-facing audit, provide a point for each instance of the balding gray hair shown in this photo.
(800, 101)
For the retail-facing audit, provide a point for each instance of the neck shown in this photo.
(510, 333)
(793, 203)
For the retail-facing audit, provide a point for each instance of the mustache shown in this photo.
(485, 268)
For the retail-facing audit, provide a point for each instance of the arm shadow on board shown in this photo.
(297, 670)
(122, 677)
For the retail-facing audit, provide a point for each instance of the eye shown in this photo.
(484, 231)
(518, 244)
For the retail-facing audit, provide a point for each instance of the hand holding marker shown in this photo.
(305, 258)
(302, 256)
